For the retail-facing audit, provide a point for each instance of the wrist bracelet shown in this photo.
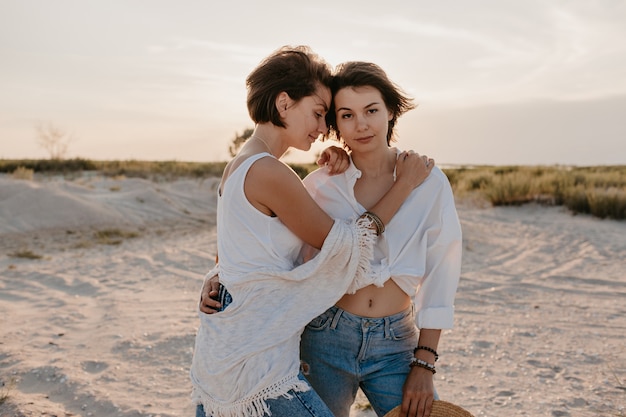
(423, 364)
(428, 349)
(380, 226)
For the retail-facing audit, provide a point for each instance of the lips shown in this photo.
(364, 139)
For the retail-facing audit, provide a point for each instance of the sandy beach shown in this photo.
(100, 277)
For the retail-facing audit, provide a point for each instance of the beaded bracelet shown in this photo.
(428, 349)
(380, 226)
(423, 364)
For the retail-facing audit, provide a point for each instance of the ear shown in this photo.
(390, 115)
(282, 103)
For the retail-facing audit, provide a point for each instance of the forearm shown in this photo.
(391, 202)
(429, 339)
(418, 391)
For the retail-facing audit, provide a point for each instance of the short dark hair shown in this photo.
(296, 70)
(361, 74)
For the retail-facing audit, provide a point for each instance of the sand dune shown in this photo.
(97, 329)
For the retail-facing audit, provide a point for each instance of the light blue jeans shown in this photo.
(304, 404)
(342, 352)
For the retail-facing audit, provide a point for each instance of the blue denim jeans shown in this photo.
(342, 352)
(306, 403)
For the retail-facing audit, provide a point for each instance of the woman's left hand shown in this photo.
(418, 393)
(335, 158)
(208, 296)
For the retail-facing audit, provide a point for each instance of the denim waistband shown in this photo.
(371, 322)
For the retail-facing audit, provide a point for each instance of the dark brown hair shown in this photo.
(361, 74)
(296, 70)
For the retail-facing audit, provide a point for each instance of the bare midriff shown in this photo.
(373, 301)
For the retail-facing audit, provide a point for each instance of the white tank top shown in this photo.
(248, 239)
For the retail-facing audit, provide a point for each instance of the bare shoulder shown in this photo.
(270, 167)
(270, 174)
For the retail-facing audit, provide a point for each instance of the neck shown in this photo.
(260, 139)
(269, 137)
(375, 164)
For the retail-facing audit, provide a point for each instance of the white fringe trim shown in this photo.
(367, 238)
(253, 406)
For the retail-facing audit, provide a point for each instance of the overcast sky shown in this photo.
(497, 81)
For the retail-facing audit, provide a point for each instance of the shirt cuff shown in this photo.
(435, 318)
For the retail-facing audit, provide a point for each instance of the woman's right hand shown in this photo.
(208, 296)
(335, 158)
(413, 167)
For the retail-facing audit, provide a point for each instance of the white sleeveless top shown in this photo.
(249, 239)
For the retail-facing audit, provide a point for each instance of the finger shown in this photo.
(420, 409)
(331, 163)
(345, 164)
(208, 300)
(324, 157)
(429, 407)
(405, 408)
(214, 288)
(209, 306)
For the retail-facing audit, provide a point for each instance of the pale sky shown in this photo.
(497, 81)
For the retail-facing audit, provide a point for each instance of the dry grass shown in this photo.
(5, 390)
(25, 254)
(22, 173)
(599, 191)
(114, 236)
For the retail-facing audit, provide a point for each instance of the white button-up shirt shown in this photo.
(421, 247)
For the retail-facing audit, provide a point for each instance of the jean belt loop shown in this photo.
(387, 328)
(333, 324)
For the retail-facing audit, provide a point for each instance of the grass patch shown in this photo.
(25, 254)
(22, 173)
(599, 191)
(114, 236)
(5, 390)
(4, 396)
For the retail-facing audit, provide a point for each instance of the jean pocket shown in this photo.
(403, 330)
(320, 322)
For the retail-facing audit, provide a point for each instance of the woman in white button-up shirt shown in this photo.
(370, 339)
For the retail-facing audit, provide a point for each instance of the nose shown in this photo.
(322, 127)
(361, 123)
